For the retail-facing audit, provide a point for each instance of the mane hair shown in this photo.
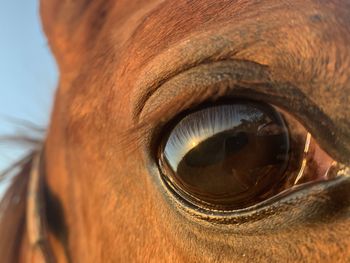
(13, 211)
(13, 202)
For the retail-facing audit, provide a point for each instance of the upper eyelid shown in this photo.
(175, 59)
(239, 67)
(161, 105)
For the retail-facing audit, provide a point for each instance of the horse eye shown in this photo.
(230, 156)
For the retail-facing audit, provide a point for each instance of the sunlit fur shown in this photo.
(106, 204)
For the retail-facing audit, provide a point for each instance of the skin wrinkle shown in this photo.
(115, 208)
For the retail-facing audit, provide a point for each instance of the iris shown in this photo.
(227, 156)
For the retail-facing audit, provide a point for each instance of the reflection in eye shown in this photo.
(231, 156)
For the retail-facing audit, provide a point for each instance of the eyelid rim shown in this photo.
(305, 195)
(247, 80)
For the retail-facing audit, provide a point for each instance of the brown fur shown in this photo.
(122, 61)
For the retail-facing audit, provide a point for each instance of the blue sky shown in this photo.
(28, 73)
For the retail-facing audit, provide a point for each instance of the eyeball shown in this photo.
(227, 156)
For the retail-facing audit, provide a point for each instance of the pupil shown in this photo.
(236, 164)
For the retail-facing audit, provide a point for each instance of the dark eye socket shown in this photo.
(230, 156)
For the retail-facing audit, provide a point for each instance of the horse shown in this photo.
(102, 187)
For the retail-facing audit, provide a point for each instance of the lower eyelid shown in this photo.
(312, 202)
